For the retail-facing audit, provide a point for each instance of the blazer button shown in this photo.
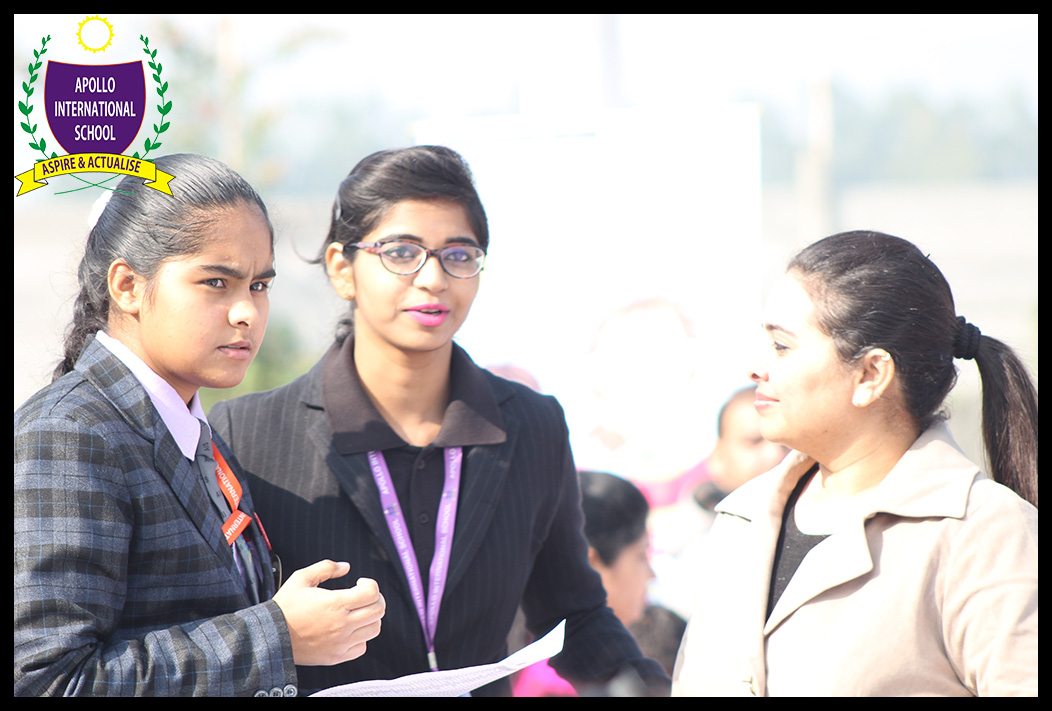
(276, 692)
(290, 690)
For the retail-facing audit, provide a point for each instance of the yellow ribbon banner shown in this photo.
(94, 163)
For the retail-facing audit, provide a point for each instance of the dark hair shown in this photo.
(146, 227)
(385, 178)
(872, 290)
(659, 633)
(615, 513)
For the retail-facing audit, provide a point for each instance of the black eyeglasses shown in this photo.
(461, 261)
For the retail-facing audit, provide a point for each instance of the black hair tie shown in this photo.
(966, 345)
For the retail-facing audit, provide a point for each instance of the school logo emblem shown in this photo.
(95, 109)
(94, 113)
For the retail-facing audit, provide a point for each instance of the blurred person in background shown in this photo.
(659, 633)
(615, 524)
(876, 559)
(740, 454)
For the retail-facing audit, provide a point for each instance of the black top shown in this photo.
(519, 538)
(793, 545)
(418, 473)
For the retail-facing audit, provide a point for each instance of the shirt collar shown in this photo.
(471, 418)
(182, 421)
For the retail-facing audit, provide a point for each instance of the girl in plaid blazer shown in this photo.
(130, 578)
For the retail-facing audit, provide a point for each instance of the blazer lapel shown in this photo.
(356, 480)
(485, 465)
(485, 471)
(755, 512)
(841, 557)
(838, 559)
(185, 480)
(113, 379)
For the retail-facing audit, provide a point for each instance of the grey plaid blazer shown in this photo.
(124, 584)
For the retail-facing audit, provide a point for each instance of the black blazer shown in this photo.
(518, 537)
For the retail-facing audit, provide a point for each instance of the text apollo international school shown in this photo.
(97, 108)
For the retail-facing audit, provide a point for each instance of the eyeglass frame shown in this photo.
(437, 253)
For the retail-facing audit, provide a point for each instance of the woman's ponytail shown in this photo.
(1009, 417)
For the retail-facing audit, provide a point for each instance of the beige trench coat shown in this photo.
(933, 592)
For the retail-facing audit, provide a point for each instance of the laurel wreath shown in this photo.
(26, 108)
(163, 107)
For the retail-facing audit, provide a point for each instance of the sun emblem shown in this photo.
(95, 34)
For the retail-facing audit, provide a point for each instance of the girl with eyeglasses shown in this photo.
(453, 488)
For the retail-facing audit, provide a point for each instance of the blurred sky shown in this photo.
(318, 71)
(753, 56)
(450, 65)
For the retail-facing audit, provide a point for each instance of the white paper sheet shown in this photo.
(455, 682)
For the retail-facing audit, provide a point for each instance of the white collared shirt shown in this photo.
(182, 421)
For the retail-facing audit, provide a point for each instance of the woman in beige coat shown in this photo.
(876, 559)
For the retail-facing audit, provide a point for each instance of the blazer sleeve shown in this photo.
(597, 647)
(75, 516)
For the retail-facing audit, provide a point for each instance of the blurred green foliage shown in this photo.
(280, 360)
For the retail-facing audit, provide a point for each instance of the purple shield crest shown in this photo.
(95, 108)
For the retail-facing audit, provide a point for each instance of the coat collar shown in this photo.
(932, 479)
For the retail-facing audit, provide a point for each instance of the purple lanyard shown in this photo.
(447, 516)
